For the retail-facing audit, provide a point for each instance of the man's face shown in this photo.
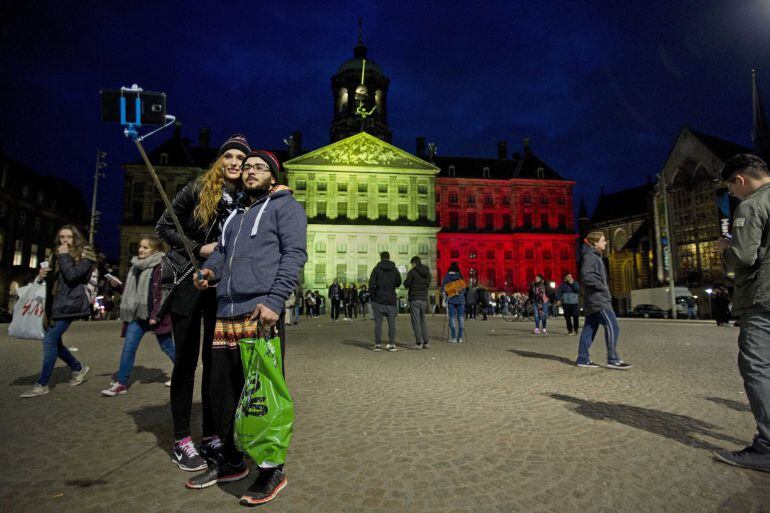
(568, 278)
(601, 245)
(738, 186)
(256, 176)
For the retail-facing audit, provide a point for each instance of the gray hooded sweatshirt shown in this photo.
(597, 295)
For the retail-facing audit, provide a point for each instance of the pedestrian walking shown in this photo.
(541, 296)
(484, 301)
(748, 254)
(351, 301)
(140, 309)
(335, 297)
(383, 282)
(310, 304)
(65, 279)
(365, 299)
(257, 263)
(597, 304)
(202, 206)
(455, 302)
(471, 300)
(568, 295)
(417, 283)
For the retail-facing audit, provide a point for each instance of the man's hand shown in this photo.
(208, 275)
(722, 244)
(264, 314)
(153, 322)
(207, 249)
(63, 249)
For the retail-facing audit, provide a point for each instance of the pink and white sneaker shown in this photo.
(537, 331)
(115, 389)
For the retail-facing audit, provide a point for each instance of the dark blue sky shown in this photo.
(601, 88)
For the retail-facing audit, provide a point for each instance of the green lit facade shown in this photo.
(363, 196)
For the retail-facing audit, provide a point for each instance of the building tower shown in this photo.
(359, 91)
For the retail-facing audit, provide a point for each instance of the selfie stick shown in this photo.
(132, 133)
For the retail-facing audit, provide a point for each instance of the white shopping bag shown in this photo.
(28, 313)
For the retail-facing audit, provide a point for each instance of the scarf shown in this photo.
(133, 304)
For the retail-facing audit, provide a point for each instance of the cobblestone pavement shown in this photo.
(501, 423)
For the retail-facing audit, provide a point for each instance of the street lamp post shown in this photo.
(671, 280)
(100, 163)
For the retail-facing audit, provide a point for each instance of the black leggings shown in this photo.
(188, 308)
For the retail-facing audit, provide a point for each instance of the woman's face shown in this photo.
(145, 249)
(231, 162)
(66, 237)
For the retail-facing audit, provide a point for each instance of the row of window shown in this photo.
(529, 254)
(489, 221)
(18, 253)
(382, 188)
(363, 247)
(488, 199)
(363, 209)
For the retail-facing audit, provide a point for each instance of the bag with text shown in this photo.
(28, 313)
(264, 419)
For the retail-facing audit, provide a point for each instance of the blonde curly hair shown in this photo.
(209, 193)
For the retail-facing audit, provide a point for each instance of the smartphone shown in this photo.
(728, 236)
(44, 264)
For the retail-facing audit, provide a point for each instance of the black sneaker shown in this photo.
(590, 365)
(619, 365)
(218, 473)
(186, 456)
(745, 458)
(267, 485)
(211, 448)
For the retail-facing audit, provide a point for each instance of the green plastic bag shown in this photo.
(264, 419)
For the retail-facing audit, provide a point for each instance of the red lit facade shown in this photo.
(504, 220)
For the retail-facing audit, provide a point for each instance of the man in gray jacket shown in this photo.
(257, 263)
(417, 282)
(597, 305)
(747, 177)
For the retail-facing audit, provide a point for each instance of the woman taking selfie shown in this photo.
(140, 307)
(66, 300)
(202, 207)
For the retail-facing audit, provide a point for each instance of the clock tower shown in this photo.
(360, 90)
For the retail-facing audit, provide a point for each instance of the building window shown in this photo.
(363, 187)
(561, 201)
(163, 159)
(320, 247)
(382, 209)
(451, 170)
(544, 221)
(33, 256)
(472, 254)
(506, 221)
(543, 200)
(490, 278)
(322, 186)
(452, 197)
(320, 208)
(453, 220)
(508, 278)
(402, 210)
(382, 247)
(490, 254)
(485, 172)
(505, 200)
(301, 185)
(25, 191)
(403, 249)
(422, 189)
(564, 255)
(320, 272)
(17, 252)
(363, 209)
(471, 221)
(546, 255)
(22, 217)
(38, 223)
(362, 248)
(540, 172)
(529, 254)
(402, 188)
(382, 188)
(423, 248)
(362, 270)
(342, 209)
(342, 247)
(526, 199)
(562, 222)
(471, 199)
(342, 187)
(489, 221)
(528, 221)
(488, 199)
(455, 253)
(422, 211)
(509, 255)
(40, 197)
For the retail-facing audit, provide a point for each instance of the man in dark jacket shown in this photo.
(383, 282)
(256, 262)
(335, 297)
(417, 282)
(748, 255)
(597, 304)
(568, 295)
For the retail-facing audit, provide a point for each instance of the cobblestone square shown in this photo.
(501, 423)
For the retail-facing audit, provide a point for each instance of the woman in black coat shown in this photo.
(66, 277)
(202, 208)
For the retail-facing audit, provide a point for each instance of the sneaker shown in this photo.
(745, 458)
(115, 389)
(537, 331)
(168, 383)
(619, 365)
(590, 365)
(210, 448)
(265, 488)
(377, 347)
(418, 346)
(459, 340)
(36, 391)
(218, 473)
(426, 345)
(452, 340)
(545, 331)
(391, 347)
(186, 456)
(79, 377)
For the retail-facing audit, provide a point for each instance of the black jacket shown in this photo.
(69, 299)
(418, 282)
(383, 282)
(596, 292)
